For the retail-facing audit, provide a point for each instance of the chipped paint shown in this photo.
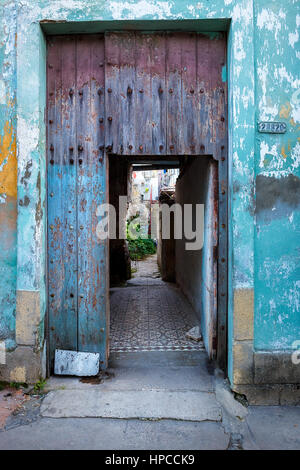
(8, 174)
(271, 21)
(285, 110)
(263, 54)
(2, 92)
(8, 162)
(277, 319)
(295, 104)
(133, 10)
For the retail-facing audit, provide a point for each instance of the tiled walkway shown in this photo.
(150, 315)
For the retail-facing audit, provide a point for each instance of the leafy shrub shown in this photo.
(139, 247)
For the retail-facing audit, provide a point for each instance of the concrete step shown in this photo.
(143, 385)
(159, 359)
(141, 404)
(156, 378)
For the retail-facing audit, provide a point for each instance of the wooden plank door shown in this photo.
(131, 93)
(77, 185)
(164, 93)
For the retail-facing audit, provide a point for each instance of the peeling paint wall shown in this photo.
(263, 81)
(277, 214)
(196, 271)
(8, 173)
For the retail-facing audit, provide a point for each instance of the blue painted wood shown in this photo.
(54, 235)
(92, 191)
(68, 323)
(77, 268)
(61, 179)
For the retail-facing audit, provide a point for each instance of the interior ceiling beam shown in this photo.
(151, 159)
(154, 167)
(158, 162)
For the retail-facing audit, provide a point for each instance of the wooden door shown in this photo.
(132, 93)
(77, 267)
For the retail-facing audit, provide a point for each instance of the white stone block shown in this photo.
(76, 363)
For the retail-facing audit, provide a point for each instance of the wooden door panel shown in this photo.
(173, 95)
(142, 95)
(158, 94)
(112, 94)
(91, 189)
(164, 93)
(62, 256)
(69, 197)
(76, 186)
(190, 102)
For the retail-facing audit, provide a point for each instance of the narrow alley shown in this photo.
(149, 314)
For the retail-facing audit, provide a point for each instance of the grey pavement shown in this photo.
(174, 401)
(94, 434)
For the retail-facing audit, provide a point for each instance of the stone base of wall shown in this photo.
(275, 367)
(270, 394)
(266, 377)
(24, 365)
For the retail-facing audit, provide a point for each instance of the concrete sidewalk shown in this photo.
(149, 401)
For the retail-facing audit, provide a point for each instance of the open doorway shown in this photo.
(139, 99)
(163, 283)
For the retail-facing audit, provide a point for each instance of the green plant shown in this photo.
(17, 385)
(131, 226)
(40, 384)
(139, 247)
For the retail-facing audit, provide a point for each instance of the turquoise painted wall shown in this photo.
(277, 165)
(8, 173)
(263, 49)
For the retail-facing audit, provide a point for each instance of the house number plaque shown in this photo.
(272, 127)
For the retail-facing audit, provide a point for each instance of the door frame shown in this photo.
(222, 249)
(30, 106)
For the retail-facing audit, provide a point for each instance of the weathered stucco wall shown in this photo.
(196, 273)
(8, 173)
(277, 234)
(263, 170)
